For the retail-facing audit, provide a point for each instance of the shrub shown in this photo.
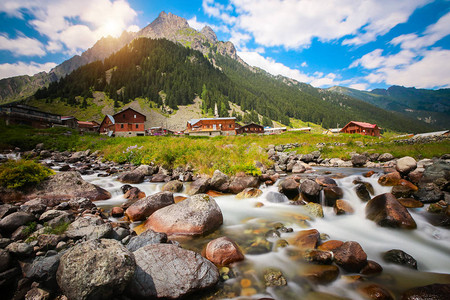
(22, 173)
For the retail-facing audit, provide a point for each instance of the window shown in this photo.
(121, 125)
(137, 126)
(123, 116)
(135, 116)
(231, 125)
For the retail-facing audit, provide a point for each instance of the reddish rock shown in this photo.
(342, 207)
(371, 268)
(390, 179)
(368, 174)
(375, 292)
(416, 175)
(134, 194)
(318, 256)
(330, 245)
(305, 239)
(350, 256)
(322, 274)
(179, 199)
(223, 251)
(196, 215)
(117, 212)
(386, 211)
(143, 208)
(406, 183)
(326, 181)
(410, 202)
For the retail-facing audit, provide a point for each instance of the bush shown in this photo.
(22, 173)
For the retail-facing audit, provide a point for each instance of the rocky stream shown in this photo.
(305, 229)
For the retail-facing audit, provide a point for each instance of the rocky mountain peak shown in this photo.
(164, 26)
(209, 34)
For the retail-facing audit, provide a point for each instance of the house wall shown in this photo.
(251, 128)
(224, 125)
(353, 128)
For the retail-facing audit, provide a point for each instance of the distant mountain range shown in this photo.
(430, 106)
(193, 64)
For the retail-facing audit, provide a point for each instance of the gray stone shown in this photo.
(275, 197)
(385, 157)
(406, 164)
(167, 271)
(43, 269)
(144, 207)
(310, 190)
(174, 186)
(148, 237)
(13, 221)
(89, 227)
(428, 193)
(199, 186)
(298, 168)
(20, 249)
(359, 160)
(218, 179)
(289, 187)
(97, 269)
(5, 260)
(400, 257)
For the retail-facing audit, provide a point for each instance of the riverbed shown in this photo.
(251, 222)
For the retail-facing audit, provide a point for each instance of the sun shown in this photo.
(111, 28)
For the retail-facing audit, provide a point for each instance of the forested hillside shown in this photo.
(170, 74)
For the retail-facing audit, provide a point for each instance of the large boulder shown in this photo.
(439, 169)
(97, 269)
(13, 221)
(223, 251)
(196, 215)
(198, 186)
(289, 187)
(68, 185)
(406, 164)
(350, 256)
(174, 186)
(167, 271)
(218, 180)
(89, 227)
(386, 211)
(428, 193)
(359, 160)
(310, 190)
(148, 237)
(143, 208)
(242, 181)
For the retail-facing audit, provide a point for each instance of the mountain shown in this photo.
(168, 64)
(168, 26)
(430, 106)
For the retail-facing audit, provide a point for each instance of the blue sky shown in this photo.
(363, 44)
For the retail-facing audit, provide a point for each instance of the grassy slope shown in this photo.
(228, 154)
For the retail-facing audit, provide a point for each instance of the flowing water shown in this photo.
(247, 224)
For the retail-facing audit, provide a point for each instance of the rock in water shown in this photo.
(97, 269)
(174, 186)
(68, 185)
(386, 211)
(406, 164)
(432, 291)
(400, 257)
(196, 215)
(350, 256)
(167, 271)
(223, 251)
(148, 237)
(143, 208)
(289, 187)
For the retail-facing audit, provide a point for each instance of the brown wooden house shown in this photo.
(250, 128)
(361, 128)
(91, 126)
(128, 122)
(28, 115)
(211, 127)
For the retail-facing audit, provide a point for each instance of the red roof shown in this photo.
(87, 123)
(364, 124)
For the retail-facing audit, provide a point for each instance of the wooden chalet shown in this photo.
(28, 115)
(91, 126)
(361, 128)
(69, 121)
(159, 131)
(211, 127)
(128, 122)
(250, 128)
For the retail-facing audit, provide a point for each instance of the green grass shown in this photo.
(22, 173)
(229, 154)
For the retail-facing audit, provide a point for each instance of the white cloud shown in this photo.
(21, 68)
(359, 86)
(304, 64)
(133, 28)
(63, 20)
(22, 46)
(197, 25)
(415, 64)
(270, 65)
(295, 23)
